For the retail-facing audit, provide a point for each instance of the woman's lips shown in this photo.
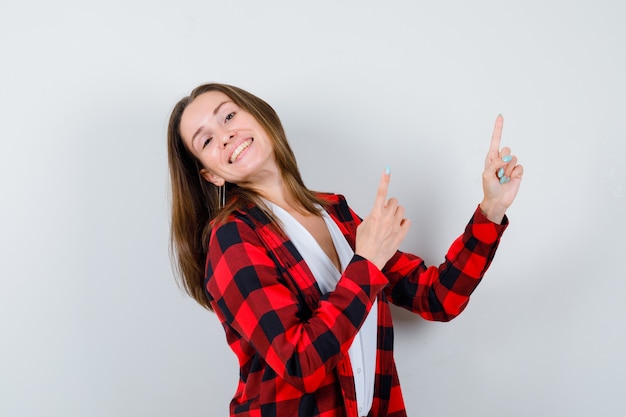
(239, 149)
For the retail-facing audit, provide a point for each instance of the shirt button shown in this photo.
(358, 371)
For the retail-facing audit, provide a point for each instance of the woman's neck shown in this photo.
(283, 198)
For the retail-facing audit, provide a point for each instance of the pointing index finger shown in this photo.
(381, 192)
(494, 148)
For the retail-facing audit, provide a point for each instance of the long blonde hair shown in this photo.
(195, 201)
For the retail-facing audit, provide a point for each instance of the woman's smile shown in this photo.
(239, 150)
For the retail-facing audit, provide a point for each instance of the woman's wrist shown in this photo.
(493, 211)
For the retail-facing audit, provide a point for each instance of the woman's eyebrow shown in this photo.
(219, 106)
(193, 138)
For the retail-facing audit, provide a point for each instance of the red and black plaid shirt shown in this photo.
(292, 342)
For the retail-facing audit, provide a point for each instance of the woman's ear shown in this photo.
(211, 177)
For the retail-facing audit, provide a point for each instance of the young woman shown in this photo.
(299, 282)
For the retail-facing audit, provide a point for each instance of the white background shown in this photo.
(91, 320)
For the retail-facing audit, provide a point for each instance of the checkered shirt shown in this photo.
(292, 342)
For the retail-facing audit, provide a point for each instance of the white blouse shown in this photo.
(362, 352)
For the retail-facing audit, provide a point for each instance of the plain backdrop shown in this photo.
(92, 322)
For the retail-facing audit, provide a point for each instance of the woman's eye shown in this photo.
(206, 142)
(230, 116)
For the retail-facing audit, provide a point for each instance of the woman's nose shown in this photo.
(227, 136)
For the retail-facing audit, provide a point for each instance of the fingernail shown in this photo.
(502, 180)
(507, 158)
(507, 179)
(500, 172)
(387, 170)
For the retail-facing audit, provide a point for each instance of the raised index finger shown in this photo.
(381, 192)
(494, 148)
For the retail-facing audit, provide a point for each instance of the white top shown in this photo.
(362, 352)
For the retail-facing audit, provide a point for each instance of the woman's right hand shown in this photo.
(379, 236)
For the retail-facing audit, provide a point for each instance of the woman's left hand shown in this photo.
(501, 178)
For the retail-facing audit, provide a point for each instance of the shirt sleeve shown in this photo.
(249, 294)
(442, 293)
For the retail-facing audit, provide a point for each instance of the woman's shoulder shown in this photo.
(337, 205)
(251, 215)
(256, 217)
(247, 225)
(331, 198)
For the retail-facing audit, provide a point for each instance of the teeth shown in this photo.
(239, 149)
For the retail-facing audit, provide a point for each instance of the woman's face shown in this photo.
(229, 142)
